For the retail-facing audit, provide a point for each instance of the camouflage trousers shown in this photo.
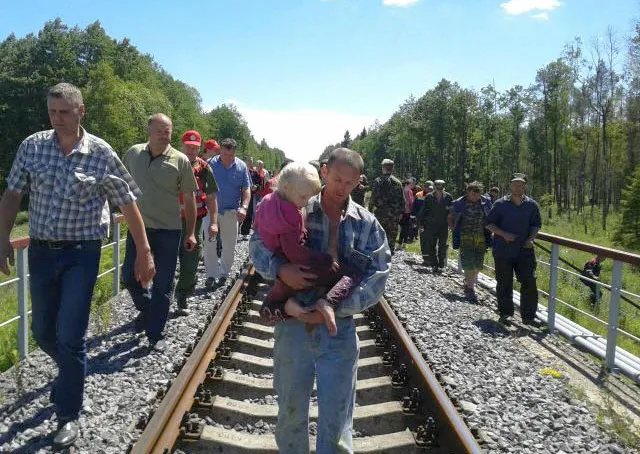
(390, 226)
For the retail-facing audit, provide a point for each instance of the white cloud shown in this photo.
(304, 133)
(541, 16)
(517, 7)
(400, 3)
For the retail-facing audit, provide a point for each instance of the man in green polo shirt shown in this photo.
(206, 205)
(162, 173)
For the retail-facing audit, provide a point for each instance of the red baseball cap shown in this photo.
(191, 137)
(211, 144)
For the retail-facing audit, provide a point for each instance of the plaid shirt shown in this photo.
(68, 194)
(358, 230)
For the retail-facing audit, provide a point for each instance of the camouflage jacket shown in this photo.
(387, 200)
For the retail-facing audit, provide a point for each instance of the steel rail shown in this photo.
(163, 430)
(458, 434)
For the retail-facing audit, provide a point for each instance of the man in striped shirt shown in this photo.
(353, 236)
(70, 175)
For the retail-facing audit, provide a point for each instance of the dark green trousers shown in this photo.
(189, 263)
(390, 226)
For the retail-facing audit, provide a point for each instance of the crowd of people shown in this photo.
(478, 221)
(308, 231)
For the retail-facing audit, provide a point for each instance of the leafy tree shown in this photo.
(346, 140)
(628, 232)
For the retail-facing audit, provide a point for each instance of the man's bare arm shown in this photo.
(144, 267)
(9, 207)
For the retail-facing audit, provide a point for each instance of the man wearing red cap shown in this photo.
(211, 149)
(162, 173)
(206, 205)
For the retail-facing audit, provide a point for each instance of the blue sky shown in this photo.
(303, 71)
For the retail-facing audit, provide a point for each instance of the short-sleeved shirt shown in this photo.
(520, 220)
(231, 181)
(162, 179)
(68, 194)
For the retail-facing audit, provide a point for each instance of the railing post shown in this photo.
(553, 287)
(23, 308)
(116, 256)
(614, 303)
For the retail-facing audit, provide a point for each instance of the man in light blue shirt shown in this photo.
(352, 235)
(234, 192)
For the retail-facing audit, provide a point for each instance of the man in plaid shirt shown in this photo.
(352, 235)
(70, 175)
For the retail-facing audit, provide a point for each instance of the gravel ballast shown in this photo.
(496, 381)
(123, 378)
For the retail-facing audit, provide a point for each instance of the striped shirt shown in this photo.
(358, 231)
(68, 194)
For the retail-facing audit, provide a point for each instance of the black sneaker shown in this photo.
(210, 282)
(222, 281)
(532, 322)
(182, 306)
(504, 320)
(67, 434)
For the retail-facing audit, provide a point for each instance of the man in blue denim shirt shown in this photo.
(349, 232)
(515, 222)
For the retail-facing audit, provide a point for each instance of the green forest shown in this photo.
(121, 88)
(575, 131)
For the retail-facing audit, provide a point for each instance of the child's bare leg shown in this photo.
(273, 305)
(328, 314)
(293, 308)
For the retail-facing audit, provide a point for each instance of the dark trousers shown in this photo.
(405, 229)
(61, 283)
(189, 261)
(525, 268)
(423, 245)
(245, 227)
(390, 226)
(436, 237)
(154, 310)
(596, 292)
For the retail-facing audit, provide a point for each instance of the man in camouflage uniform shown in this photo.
(387, 202)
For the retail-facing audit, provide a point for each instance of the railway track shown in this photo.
(226, 382)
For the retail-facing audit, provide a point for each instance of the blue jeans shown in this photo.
(155, 310)
(299, 355)
(61, 283)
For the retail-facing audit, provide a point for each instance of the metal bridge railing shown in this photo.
(606, 348)
(22, 281)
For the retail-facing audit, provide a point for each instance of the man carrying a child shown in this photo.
(354, 239)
